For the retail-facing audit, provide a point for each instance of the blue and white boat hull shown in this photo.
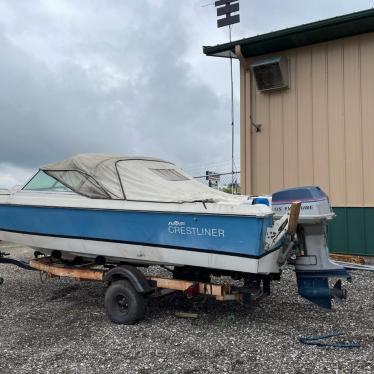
(199, 236)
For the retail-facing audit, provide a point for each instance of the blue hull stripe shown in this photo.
(238, 235)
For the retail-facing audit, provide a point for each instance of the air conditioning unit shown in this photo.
(271, 74)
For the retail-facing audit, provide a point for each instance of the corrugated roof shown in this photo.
(299, 36)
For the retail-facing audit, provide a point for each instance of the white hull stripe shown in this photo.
(145, 254)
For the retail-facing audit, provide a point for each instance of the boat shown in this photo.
(114, 209)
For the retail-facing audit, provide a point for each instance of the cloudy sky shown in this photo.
(126, 77)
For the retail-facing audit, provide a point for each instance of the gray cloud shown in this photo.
(124, 77)
(119, 92)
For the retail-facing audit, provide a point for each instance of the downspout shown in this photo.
(245, 124)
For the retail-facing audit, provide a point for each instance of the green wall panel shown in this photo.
(350, 231)
(369, 230)
(337, 230)
(356, 230)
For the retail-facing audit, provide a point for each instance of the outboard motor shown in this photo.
(312, 265)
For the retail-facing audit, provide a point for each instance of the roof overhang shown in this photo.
(299, 36)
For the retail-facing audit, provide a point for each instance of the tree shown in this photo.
(228, 188)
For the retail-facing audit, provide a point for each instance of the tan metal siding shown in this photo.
(290, 128)
(305, 115)
(337, 162)
(320, 151)
(276, 142)
(353, 122)
(261, 143)
(321, 130)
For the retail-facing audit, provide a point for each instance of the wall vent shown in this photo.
(271, 74)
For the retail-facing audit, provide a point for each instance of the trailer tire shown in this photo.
(123, 304)
(1, 280)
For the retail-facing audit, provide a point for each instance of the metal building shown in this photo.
(307, 118)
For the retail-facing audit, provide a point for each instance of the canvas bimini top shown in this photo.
(118, 177)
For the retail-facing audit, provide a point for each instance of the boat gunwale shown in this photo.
(73, 200)
(249, 215)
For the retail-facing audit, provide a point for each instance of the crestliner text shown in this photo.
(182, 229)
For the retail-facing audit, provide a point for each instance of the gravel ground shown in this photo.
(60, 327)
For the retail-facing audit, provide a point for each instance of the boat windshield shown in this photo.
(43, 182)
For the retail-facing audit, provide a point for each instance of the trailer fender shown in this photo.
(133, 275)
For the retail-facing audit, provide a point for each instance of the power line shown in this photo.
(212, 166)
(204, 164)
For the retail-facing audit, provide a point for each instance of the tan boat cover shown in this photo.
(132, 178)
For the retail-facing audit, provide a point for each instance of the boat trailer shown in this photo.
(128, 287)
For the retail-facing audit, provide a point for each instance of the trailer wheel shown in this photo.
(123, 304)
(1, 280)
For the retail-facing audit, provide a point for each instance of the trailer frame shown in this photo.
(128, 287)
